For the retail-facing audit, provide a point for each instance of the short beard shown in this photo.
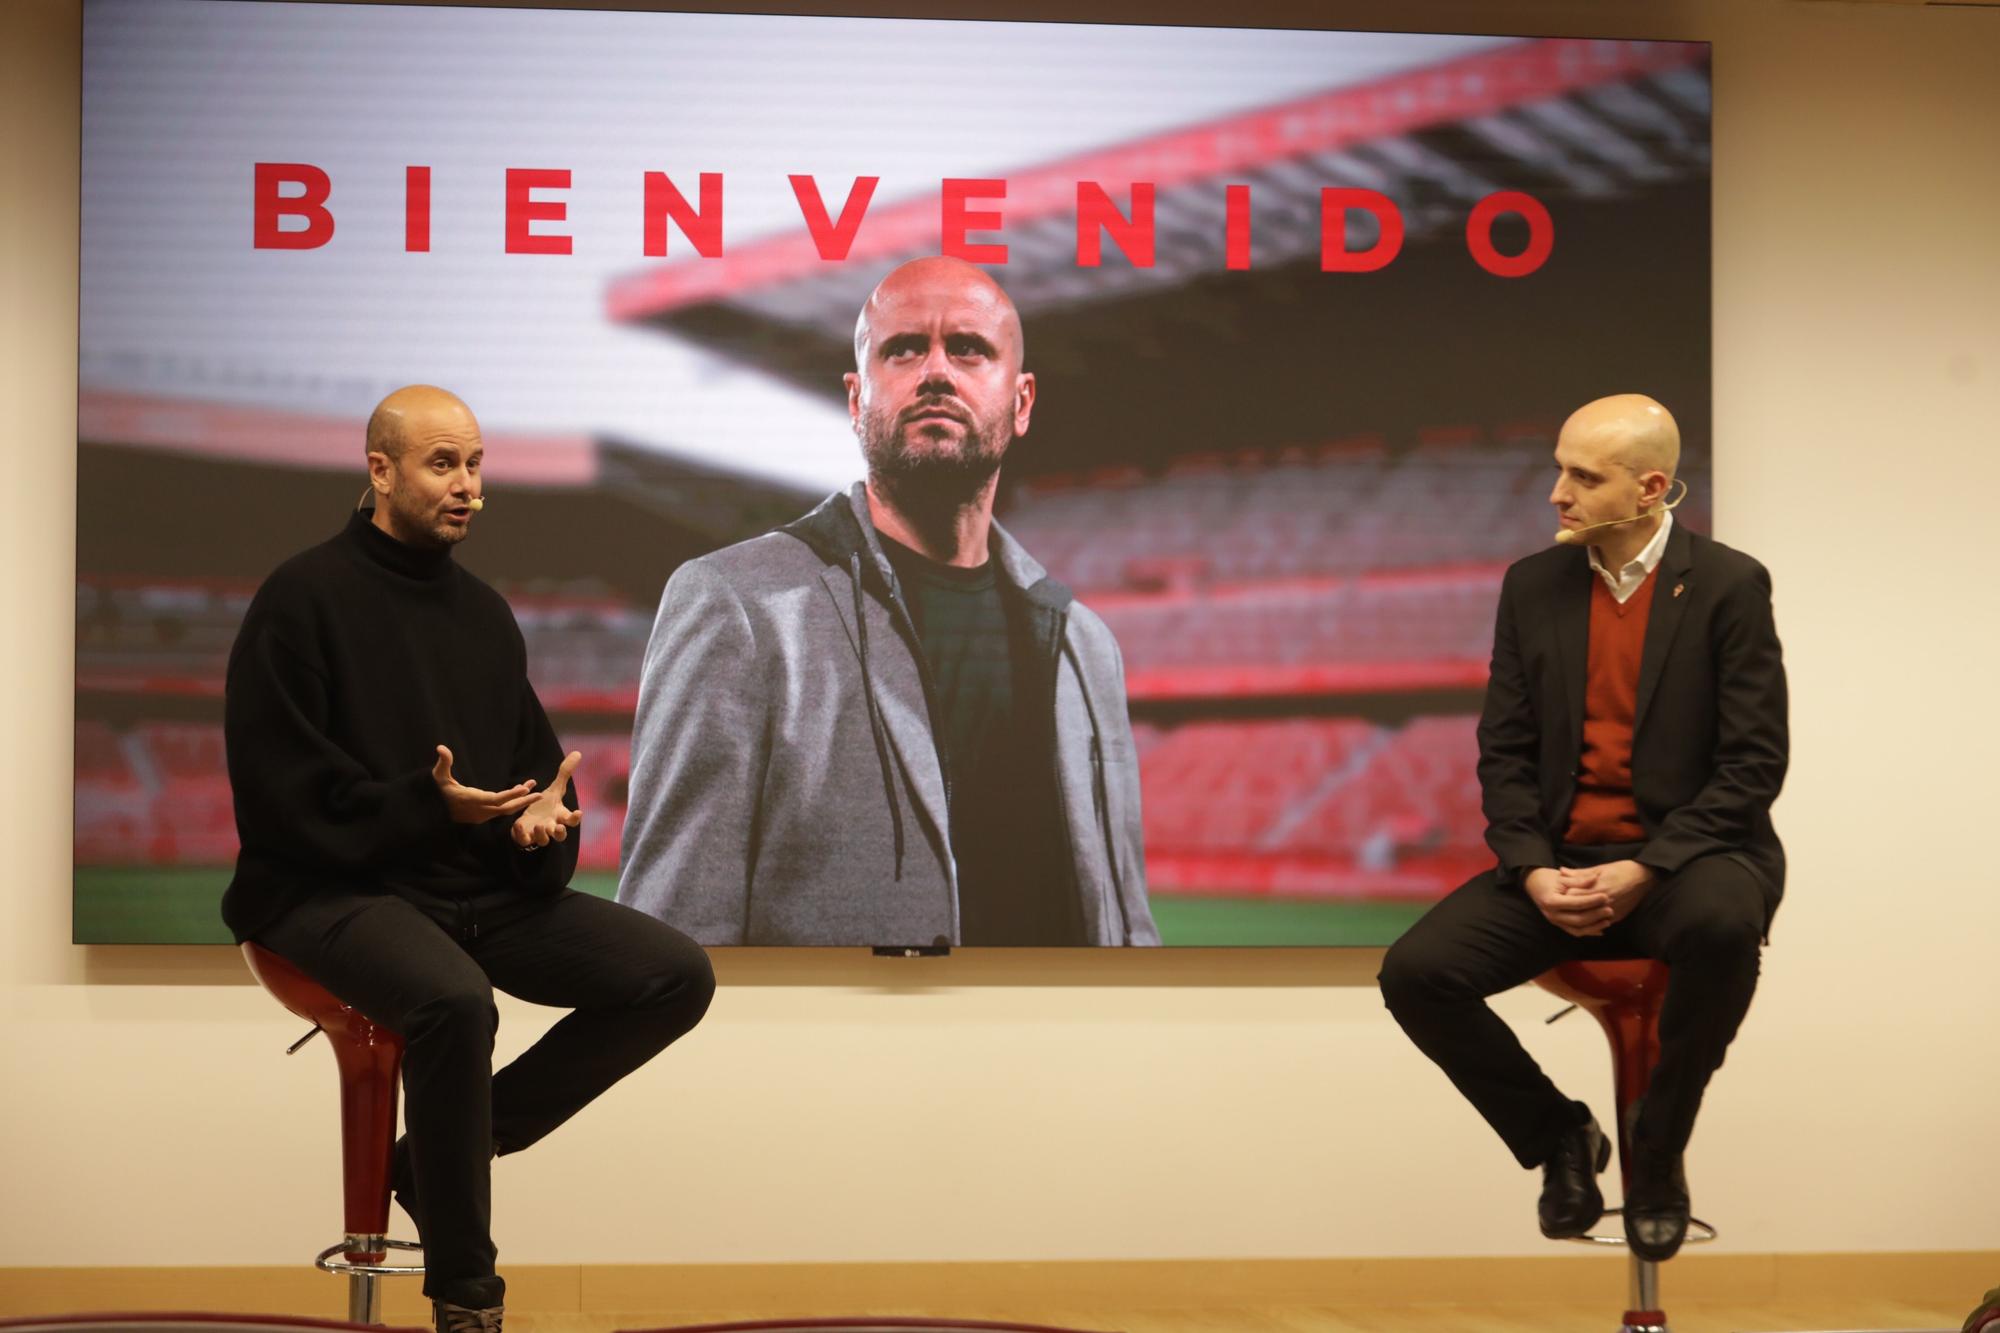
(415, 528)
(933, 481)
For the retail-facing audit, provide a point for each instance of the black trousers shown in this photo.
(1706, 923)
(426, 968)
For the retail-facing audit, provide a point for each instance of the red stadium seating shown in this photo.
(583, 654)
(113, 806)
(1372, 634)
(1341, 509)
(156, 637)
(1352, 797)
(1418, 794)
(601, 780)
(1293, 577)
(1230, 786)
(159, 794)
(1322, 807)
(194, 819)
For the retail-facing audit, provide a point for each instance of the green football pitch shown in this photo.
(147, 905)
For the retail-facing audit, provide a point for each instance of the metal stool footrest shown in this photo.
(1699, 1232)
(334, 1258)
(352, 1256)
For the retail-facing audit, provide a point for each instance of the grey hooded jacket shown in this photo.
(786, 787)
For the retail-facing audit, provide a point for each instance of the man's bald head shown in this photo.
(1629, 429)
(424, 457)
(412, 413)
(937, 393)
(1615, 461)
(927, 282)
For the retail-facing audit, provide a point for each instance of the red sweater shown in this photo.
(1603, 810)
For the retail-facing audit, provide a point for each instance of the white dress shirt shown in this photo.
(1627, 580)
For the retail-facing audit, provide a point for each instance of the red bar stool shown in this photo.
(370, 1060)
(1625, 998)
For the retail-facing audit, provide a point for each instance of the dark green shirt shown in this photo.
(995, 725)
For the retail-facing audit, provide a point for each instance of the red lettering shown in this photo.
(833, 238)
(524, 210)
(1097, 216)
(958, 219)
(417, 209)
(1334, 256)
(290, 211)
(703, 228)
(1479, 233)
(1236, 227)
(269, 207)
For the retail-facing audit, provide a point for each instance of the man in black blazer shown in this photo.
(1632, 741)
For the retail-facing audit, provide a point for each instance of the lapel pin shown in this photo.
(1679, 588)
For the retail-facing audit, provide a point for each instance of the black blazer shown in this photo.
(1709, 740)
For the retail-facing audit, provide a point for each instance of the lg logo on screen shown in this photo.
(292, 210)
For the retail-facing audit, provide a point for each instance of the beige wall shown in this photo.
(1207, 1104)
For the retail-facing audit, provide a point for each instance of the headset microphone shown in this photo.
(1573, 536)
(476, 504)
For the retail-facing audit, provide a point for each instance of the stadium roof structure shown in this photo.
(153, 465)
(1573, 118)
(255, 433)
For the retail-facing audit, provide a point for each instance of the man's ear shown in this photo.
(381, 472)
(852, 380)
(1024, 401)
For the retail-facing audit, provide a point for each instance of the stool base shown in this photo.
(1644, 1321)
(364, 1260)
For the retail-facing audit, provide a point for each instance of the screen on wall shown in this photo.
(1303, 311)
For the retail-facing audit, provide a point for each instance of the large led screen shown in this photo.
(1304, 312)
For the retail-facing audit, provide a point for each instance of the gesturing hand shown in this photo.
(1580, 910)
(546, 818)
(470, 805)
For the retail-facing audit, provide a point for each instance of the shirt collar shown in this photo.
(1640, 565)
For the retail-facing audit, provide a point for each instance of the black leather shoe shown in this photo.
(1656, 1199)
(449, 1318)
(1571, 1203)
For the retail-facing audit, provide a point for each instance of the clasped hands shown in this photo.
(540, 819)
(1589, 900)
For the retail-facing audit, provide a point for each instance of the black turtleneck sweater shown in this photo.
(356, 659)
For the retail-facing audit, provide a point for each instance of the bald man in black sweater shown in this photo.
(405, 817)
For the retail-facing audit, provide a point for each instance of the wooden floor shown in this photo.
(1879, 1293)
(1694, 1317)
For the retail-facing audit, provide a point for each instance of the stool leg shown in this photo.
(364, 1298)
(1645, 1314)
(369, 1082)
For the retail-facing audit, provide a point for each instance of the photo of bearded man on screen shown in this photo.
(884, 724)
